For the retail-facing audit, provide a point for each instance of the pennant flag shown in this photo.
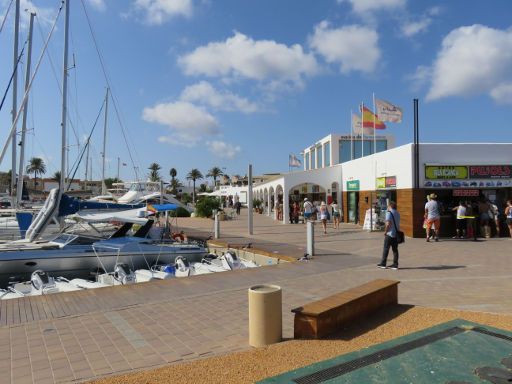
(293, 161)
(356, 126)
(388, 112)
(368, 120)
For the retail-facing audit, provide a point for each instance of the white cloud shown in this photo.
(354, 47)
(502, 94)
(412, 28)
(187, 122)
(363, 7)
(204, 93)
(223, 150)
(98, 4)
(45, 16)
(241, 56)
(473, 60)
(157, 12)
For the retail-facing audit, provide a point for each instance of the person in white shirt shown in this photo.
(461, 221)
(308, 209)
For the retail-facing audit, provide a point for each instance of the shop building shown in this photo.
(465, 171)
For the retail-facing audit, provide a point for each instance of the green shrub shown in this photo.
(179, 212)
(186, 198)
(206, 205)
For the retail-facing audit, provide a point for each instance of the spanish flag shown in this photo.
(368, 119)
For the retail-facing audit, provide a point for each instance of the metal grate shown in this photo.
(349, 366)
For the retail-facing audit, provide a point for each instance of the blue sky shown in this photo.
(201, 83)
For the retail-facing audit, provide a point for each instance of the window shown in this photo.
(327, 154)
(306, 162)
(319, 157)
(313, 158)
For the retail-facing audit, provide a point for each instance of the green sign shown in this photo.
(353, 185)
(436, 172)
(380, 183)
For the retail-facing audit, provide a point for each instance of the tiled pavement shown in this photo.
(94, 333)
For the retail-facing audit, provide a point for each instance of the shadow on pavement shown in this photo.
(436, 267)
(360, 327)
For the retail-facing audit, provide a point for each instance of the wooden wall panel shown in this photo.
(363, 205)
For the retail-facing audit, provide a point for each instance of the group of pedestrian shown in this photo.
(312, 212)
(472, 218)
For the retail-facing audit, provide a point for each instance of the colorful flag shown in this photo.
(388, 112)
(293, 161)
(356, 126)
(150, 208)
(369, 118)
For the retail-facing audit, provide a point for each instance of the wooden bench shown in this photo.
(323, 317)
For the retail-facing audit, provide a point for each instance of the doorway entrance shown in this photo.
(353, 207)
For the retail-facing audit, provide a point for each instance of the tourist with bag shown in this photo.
(324, 215)
(392, 236)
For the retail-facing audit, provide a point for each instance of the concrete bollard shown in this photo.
(310, 248)
(265, 315)
(217, 226)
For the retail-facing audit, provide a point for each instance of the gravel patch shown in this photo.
(259, 363)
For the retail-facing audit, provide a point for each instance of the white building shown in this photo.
(452, 171)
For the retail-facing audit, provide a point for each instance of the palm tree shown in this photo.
(154, 175)
(174, 185)
(214, 173)
(194, 174)
(173, 172)
(36, 166)
(56, 176)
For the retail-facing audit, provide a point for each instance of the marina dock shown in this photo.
(79, 336)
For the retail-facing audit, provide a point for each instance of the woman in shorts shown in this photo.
(508, 215)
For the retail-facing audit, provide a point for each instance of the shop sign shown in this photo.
(385, 182)
(391, 182)
(490, 171)
(466, 192)
(446, 172)
(353, 185)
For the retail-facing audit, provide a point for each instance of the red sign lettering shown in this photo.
(490, 171)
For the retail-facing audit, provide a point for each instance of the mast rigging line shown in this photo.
(12, 76)
(77, 162)
(100, 57)
(5, 17)
(25, 96)
(52, 65)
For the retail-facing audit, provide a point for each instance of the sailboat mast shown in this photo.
(103, 185)
(19, 189)
(15, 98)
(64, 101)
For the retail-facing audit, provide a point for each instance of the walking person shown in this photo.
(390, 236)
(296, 212)
(324, 215)
(335, 215)
(433, 216)
(308, 209)
(483, 209)
(461, 221)
(508, 215)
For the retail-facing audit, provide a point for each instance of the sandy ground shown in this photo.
(257, 364)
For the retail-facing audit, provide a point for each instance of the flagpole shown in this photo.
(351, 137)
(374, 123)
(362, 129)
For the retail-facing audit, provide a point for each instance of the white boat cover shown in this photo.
(129, 216)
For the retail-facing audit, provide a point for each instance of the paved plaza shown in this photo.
(88, 334)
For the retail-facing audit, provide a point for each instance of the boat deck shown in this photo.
(81, 335)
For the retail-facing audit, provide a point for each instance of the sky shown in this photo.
(227, 83)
